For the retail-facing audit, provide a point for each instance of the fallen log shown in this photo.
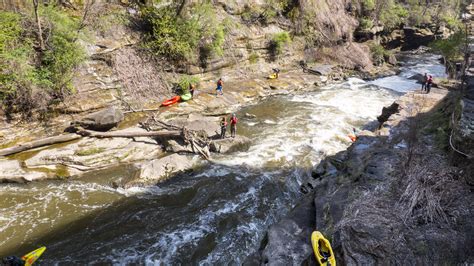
(39, 143)
(131, 134)
(198, 145)
(142, 110)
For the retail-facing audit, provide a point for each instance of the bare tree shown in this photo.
(87, 8)
(38, 23)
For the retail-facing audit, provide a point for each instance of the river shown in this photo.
(218, 214)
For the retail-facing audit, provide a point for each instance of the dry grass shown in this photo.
(140, 77)
(430, 188)
(350, 56)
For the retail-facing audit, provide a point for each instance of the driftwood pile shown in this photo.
(199, 141)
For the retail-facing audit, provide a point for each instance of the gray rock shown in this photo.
(197, 122)
(227, 145)
(102, 120)
(418, 77)
(387, 112)
(172, 145)
(391, 59)
(250, 116)
(323, 70)
(13, 172)
(158, 170)
(414, 38)
(288, 241)
(89, 154)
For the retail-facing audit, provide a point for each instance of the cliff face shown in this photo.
(119, 71)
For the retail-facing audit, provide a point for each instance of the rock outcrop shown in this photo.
(160, 169)
(374, 201)
(229, 144)
(102, 120)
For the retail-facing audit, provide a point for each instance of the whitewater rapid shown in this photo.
(217, 214)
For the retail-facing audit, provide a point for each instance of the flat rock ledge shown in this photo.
(161, 169)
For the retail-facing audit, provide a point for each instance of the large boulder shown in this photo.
(102, 120)
(227, 145)
(414, 38)
(387, 112)
(418, 77)
(158, 170)
(198, 122)
(288, 241)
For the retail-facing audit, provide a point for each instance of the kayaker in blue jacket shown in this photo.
(220, 83)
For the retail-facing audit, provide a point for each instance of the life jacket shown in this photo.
(233, 120)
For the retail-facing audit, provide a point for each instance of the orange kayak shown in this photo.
(171, 101)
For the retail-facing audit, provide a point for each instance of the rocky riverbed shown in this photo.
(200, 114)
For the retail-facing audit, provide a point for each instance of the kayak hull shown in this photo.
(171, 101)
(322, 245)
(272, 76)
(31, 257)
(186, 97)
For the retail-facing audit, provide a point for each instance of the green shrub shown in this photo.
(181, 39)
(170, 35)
(15, 52)
(451, 49)
(379, 53)
(452, 22)
(393, 16)
(30, 78)
(418, 16)
(365, 24)
(253, 58)
(64, 54)
(185, 81)
(10, 30)
(277, 43)
(368, 5)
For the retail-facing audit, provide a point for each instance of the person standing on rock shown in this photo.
(233, 125)
(220, 83)
(429, 82)
(424, 83)
(223, 127)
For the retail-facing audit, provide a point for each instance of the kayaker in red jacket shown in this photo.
(429, 83)
(233, 125)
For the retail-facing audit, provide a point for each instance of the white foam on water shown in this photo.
(402, 83)
(320, 128)
(251, 123)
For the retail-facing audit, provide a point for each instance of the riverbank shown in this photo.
(393, 196)
(83, 156)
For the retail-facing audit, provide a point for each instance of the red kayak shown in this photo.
(171, 101)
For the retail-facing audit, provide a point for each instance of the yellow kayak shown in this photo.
(273, 76)
(31, 257)
(322, 249)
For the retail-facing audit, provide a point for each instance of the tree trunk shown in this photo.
(94, 134)
(39, 143)
(181, 7)
(38, 23)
